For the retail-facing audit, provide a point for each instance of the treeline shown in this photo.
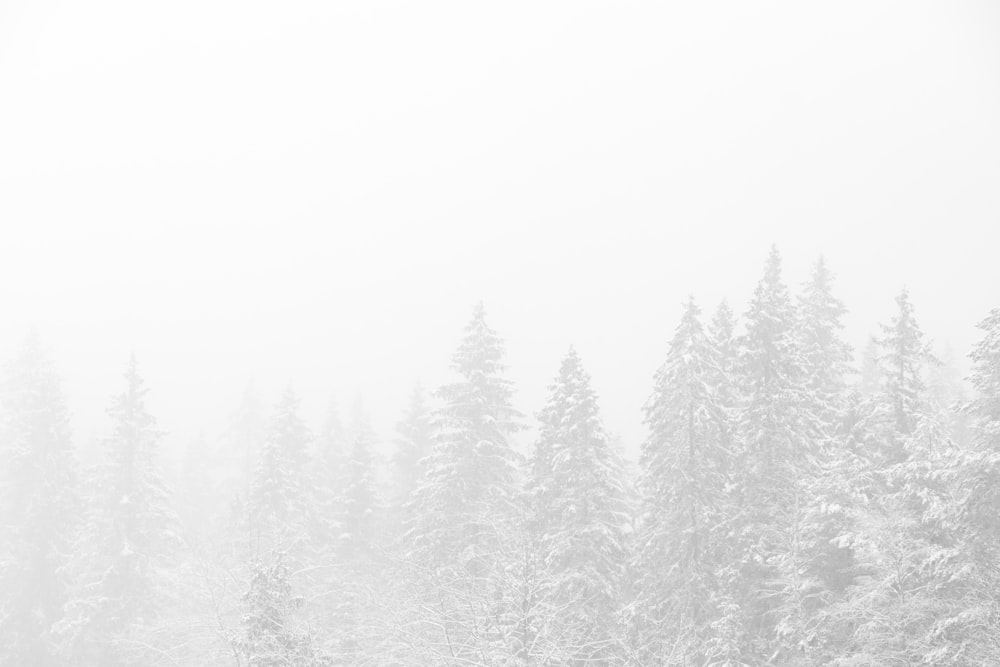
(789, 507)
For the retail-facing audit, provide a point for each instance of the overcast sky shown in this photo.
(318, 192)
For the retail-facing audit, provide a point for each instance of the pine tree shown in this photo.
(465, 516)
(241, 447)
(279, 503)
(413, 443)
(775, 422)
(38, 506)
(330, 475)
(906, 544)
(471, 481)
(903, 360)
(129, 541)
(585, 513)
(361, 498)
(271, 635)
(779, 442)
(684, 500)
(826, 356)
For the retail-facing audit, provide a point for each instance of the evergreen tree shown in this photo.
(683, 497)
(241, 447)
(121, 564)
(361, 497)
(904, 355)
(465, 516)
(279, 503)
(471, 481)
(415, 434)
(827, 358)
(38, 506)
(271, 634)
(583, 536)
(330, 475)
(779, 444)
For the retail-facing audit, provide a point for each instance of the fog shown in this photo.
(316, 194)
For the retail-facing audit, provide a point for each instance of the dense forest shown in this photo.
(795, 502)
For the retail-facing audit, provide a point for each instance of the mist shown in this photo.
(251, 198)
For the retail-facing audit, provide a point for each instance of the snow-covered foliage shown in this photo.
(786, 508)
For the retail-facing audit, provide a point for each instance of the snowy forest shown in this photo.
(794, 502)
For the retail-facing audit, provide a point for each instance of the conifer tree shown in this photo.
(279, 503)
(38, 506)
(471, 482)
(271, 634)
(128, 543)
(361, 497)
(465, 515)
(413, 444)
(583, 528)
(826, 356)
(779, 443)
(684, 500)
(775, 421)
(330, 475)
(904, 355)
(241, 447)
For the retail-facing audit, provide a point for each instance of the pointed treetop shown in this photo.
(481, 349)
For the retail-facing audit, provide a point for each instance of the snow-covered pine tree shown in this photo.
(815, 562)
(907, 539)
(721, 331)
(361, 502)
(279, 507)
(949, 494)
(470, 487)
(271, 635)
(683, 487)
(38, 506)
(826, 356)
(585, 516)
(779, 441)
(330, 474)
(120, 568)
(463, 527)
(414, 437)
(775, 423)
(241, 446)
(904, 356)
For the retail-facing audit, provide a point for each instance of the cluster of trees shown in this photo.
(786, 509)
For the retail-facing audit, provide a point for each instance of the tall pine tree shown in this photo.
(470, 486)
(38, 506)
(280, 505)
(130, 540)
(683, 485)
(583, 515)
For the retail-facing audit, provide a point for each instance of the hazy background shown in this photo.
(318, 192)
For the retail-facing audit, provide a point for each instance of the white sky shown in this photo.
(317, 192)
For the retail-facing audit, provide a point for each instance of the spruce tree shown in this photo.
(362, 504)
(683, 487)
(329, 478)
(38, 506)
(414, 437)
(904, 356)
(778, 449)
(584, 514)
(826, 356)
(279, 503)
(470, 487)
(464, 519)
(128, 543)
